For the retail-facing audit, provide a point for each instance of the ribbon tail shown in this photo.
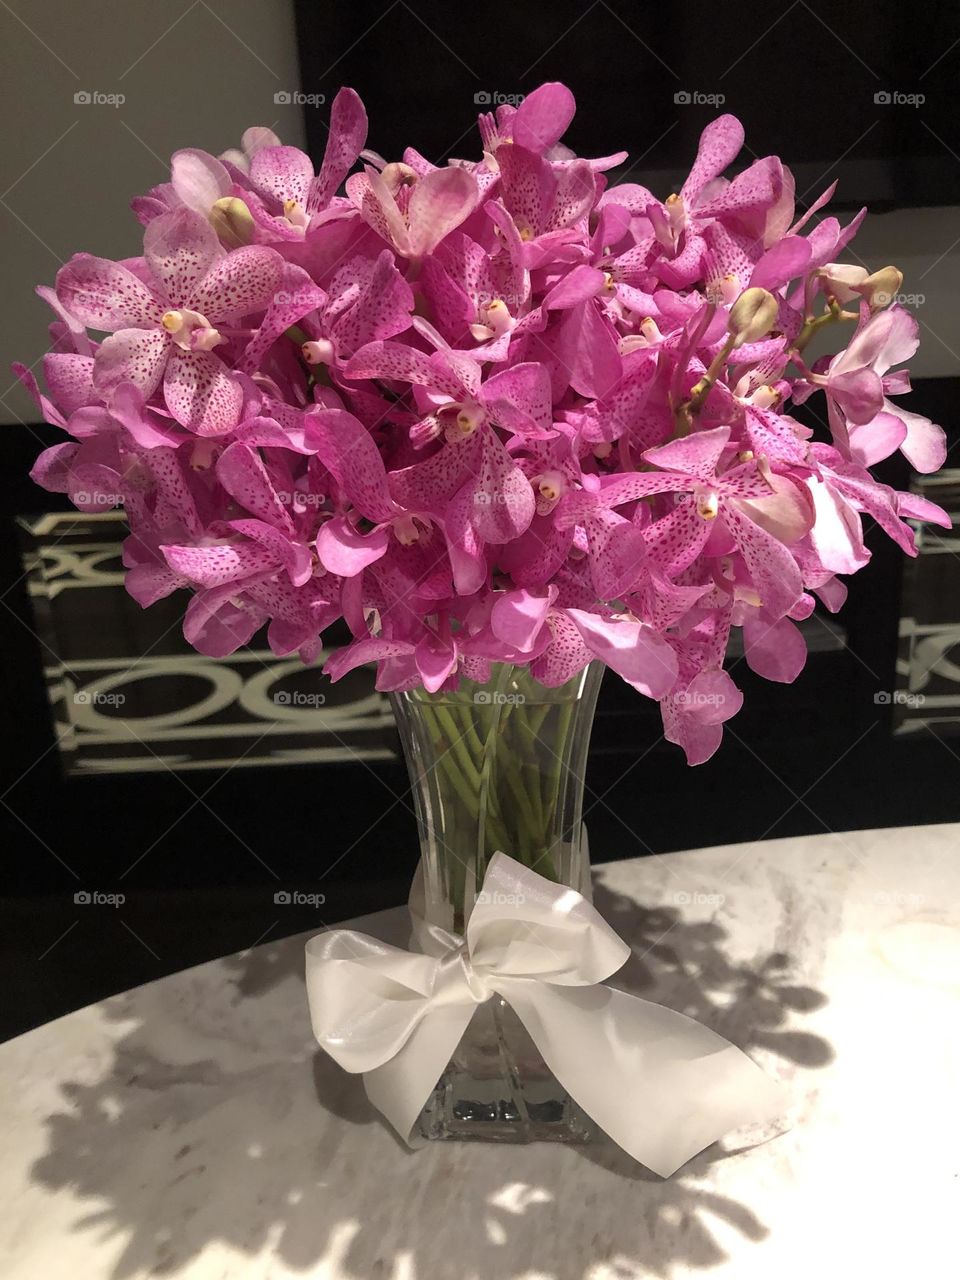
(662, 1085)
(400, 1087)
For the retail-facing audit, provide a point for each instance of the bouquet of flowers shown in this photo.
(497, 411)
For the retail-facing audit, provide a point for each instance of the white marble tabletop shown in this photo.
(190, 1128)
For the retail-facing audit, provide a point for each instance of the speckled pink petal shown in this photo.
(771, 566)
(148, 583)
(382, 310)
(464, 545)
(245, 478)
(369, 649)
(297, 298)
(137, 356)
(774, 650)
(699, 741)
(166, 468)
(696, 454)
(575, 195)
(720, 145)
(180, 247)
(345, 551)
(564, 656)
(200, 393)
(294, 556)
(370, 194)
(439, 203)
(925, 443)
(219, 622)
(617, 553)
(518, 399)
(105, 295)
(544, 117)
(216, 566)
(619, 410)
(396, 360)
(51, 471)
(534, 557)
(346, 448)
(199, 179)
(69, 378)
(239, 284)
(503, 499)
(282, 173)
(348, 133)
(631, 649)
(529, 188)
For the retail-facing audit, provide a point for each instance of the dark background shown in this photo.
(818, 756)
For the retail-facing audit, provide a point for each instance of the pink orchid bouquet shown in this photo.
(498, 411)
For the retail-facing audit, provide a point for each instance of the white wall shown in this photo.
(194, 73)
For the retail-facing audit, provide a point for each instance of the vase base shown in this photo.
(462, 1109)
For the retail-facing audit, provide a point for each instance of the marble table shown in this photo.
(189, 1128)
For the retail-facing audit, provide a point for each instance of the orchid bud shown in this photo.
(842, 281)
(752, 316)
(232, 221)
(882, 287)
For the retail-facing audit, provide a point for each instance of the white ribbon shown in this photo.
(660, 1084)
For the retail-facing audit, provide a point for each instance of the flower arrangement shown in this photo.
(501, 411)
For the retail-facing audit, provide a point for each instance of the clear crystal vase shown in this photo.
(498, 766)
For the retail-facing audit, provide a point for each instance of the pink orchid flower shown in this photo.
(164, 331)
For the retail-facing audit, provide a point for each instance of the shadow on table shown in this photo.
(207, 1130)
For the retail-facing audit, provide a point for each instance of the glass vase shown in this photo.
(498, 766)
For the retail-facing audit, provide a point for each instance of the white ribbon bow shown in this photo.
(660, 1084)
